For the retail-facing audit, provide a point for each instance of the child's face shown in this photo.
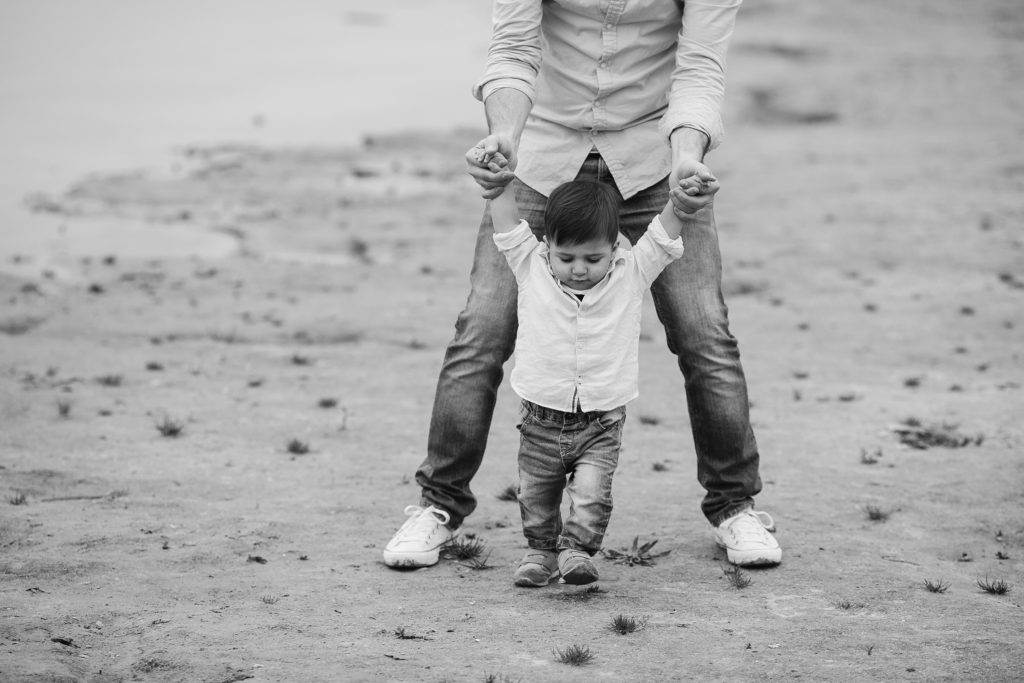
(581, 266)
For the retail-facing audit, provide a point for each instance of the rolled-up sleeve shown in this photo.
(518, 244)
(698, 81)
(654, 251)
(514, 57)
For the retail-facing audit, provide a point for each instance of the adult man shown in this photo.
(626, 92)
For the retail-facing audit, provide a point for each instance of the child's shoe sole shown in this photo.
(537, 578)
(576, 568)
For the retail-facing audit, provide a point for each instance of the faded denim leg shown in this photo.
(689, 302)
(541, 480)
(467, 385)
(589, 488)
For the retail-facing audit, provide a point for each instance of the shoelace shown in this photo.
(422, 521)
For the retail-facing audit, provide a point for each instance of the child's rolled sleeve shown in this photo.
(518, 244)
(655, 250)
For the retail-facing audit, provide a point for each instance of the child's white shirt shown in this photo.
(569, 350)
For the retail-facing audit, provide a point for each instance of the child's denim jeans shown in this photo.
(574, 452)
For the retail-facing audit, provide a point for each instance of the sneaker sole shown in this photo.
(759, 558)
(579, 576)
(529, 582)
(397, 560)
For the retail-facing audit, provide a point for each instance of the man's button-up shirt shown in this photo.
(618, 76)
(585, 350)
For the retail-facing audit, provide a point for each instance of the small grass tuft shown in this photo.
(994, 586)
(463, 548)
(574, 655)
(63, 408)
(299, 359)
(870, 458)
(327, 403)
(153, 366)
(499, 678)
(659, 467)
(650, 420)
(510, 493)
(402, 634)
(18, 498)
(110, 380)
(297, 447)
(583, 595)
(847, 605)
(169, 427)
(624, 625)
(478, 563)
(269, 599)
(737, 577)
(914, 433)
(936, 586)
(636, 555)
(875, 513)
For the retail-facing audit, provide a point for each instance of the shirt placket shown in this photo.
(578, 351)
(609, 38)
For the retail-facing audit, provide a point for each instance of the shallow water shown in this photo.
(111, 85)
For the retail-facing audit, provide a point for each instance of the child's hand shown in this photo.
(694, 192)
(495, 162)
(491, 170)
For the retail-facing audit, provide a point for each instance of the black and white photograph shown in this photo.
(511, 340)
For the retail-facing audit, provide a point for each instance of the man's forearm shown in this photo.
(506, 110)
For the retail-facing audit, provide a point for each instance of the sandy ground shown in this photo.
(870, 220)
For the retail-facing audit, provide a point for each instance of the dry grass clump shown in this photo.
(636, 554)
(994, 586)
(574, 655)
(916, 434)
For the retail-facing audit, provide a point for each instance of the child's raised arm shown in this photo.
(504, 212)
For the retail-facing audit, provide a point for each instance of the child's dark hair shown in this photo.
(580, 211)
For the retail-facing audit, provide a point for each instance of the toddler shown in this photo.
(579, 302)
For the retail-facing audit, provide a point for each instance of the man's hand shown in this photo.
(698, 185)
(491, 163)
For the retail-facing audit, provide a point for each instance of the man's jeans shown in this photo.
(584, 447)
(688, 299)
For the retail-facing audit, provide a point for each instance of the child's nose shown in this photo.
(579, 268)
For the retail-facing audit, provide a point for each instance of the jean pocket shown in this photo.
(526, 416)
(611, 418)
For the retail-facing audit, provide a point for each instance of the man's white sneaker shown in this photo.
(746, 539)
(418, 542)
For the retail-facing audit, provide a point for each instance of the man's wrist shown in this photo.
(689, 143)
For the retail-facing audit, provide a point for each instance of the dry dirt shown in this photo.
(871, 225)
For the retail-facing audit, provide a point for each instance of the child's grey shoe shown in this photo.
(576, 567)
(536, 569)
